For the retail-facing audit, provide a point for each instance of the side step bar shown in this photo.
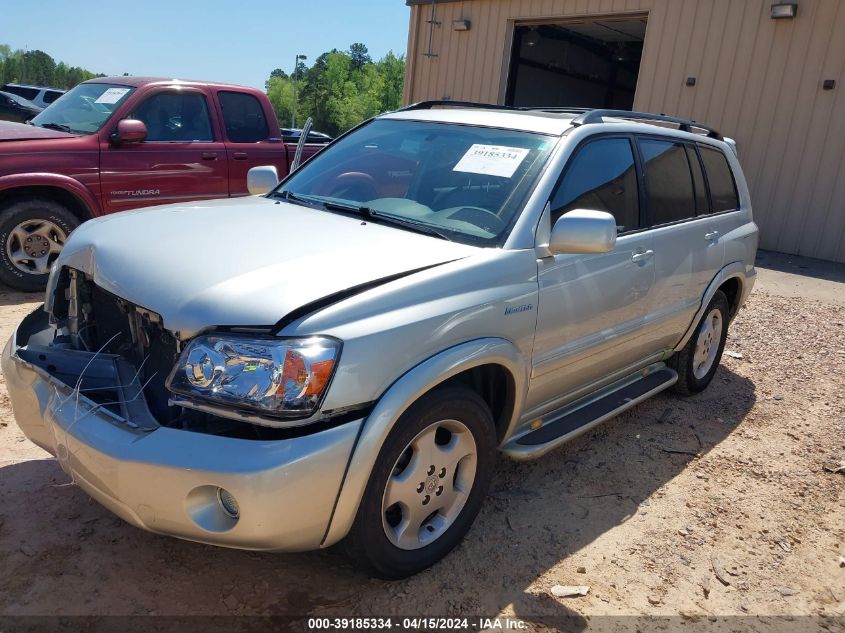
(563, 425)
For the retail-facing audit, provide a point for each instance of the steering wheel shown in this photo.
(480, 217)
(353, 185)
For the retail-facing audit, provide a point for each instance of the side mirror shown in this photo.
(583, 231)
(261, 179)
(129, 131)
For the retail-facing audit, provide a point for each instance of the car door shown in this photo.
(591, 307)
(687, 251)
(181, 159)
(252, 139)
(724, 201)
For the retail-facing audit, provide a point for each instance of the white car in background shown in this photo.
(39, 95)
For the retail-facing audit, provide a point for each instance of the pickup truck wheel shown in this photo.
(427, 485)
(697, 363)
(32, 233)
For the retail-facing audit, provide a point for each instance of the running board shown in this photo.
(563, 425)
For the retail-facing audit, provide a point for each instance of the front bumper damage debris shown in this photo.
(166, 471)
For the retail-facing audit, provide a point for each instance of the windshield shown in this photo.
(461, 182)
(84, 109)
(19, 100)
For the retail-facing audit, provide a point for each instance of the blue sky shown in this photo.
(237, 42)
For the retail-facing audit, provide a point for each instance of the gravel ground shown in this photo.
(720, 504)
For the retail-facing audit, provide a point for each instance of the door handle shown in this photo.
(642, 256)
(239, 155)
(712, 235)
(209, 155)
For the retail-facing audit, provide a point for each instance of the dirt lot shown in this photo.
(642, 510)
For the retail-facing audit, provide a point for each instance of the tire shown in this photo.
(377, 542)
(697, 363)
(46, 224)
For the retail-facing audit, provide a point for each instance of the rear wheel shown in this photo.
(32, 233)
(427, 485)
(697, 363)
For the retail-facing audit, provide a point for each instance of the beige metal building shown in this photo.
(775, 84)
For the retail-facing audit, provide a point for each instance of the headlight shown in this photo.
(276, 377)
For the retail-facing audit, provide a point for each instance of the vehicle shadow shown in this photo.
(62, 553)
(804, 266)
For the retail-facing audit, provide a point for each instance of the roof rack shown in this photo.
(428, 105)
(585, 115)
(685, 125)
(448, 103)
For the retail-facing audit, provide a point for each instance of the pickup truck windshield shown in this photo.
(461, 182)
(84, 109)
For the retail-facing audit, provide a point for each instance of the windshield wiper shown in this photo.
(57, 126)
(293, 197)
(363, 211)
(382, 218)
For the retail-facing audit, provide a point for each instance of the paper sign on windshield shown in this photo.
(491, 160)
(112, 95)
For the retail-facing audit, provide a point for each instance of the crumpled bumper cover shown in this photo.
(166, 480)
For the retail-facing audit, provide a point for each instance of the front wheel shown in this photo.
(427, 485)
(32, 233)
(697, 363)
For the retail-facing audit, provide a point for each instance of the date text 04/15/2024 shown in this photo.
(417, 624)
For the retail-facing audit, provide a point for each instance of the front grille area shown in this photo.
(113, 325)
(91, 319)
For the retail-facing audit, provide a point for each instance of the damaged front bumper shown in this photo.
(168, 480)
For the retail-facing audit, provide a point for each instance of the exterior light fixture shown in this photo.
(461, 25)
(784, 10)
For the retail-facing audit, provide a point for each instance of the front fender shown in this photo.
(399, 396)
(55, 181)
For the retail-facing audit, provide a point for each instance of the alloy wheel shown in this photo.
(707, 344)
(33, 245)
(429, 484)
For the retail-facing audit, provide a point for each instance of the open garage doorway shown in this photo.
(588, 63)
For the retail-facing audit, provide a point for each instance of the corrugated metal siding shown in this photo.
(758, 80)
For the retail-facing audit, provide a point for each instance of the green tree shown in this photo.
(37, 67)
(360, 55)
(392, 68)
(341, 89)
(280, 93)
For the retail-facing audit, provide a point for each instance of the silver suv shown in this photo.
(342, 358)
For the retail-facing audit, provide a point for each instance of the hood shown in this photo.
(247, 261)
(21, 131)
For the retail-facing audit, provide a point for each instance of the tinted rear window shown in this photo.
(51, 95)
(671, 195)
(719, 177)
(244, 118)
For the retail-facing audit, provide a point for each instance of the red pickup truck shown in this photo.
(117, 143)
